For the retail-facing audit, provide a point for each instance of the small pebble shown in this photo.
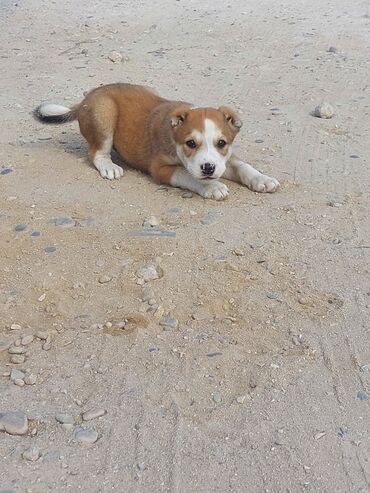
(303, 300)
(217, 398)
(170, 322)
(14, 422)
(16, 375)
(86, 436)
(50, 249)
(354, 156)
(35, 233)
(240, 399)
(27, 340)
(15, 327)
(65, 222)
(149, 273)
(65, 419)
(100, 263)
(272, 296)
(151, 222)
(115, 57)
(93, 414)
(47, 345)
(18, 382)
(187, 195)
(20, 227)
(104, 279)
(40, 334)
(17, 359)
(365, 368)
(363, 396)
(332, 49)
(324, 110)
(6, 171)
(31, 454)
(258, 141)
(30, 379)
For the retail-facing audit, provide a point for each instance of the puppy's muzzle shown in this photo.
(208, 169)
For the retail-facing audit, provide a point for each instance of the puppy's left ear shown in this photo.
(232, 118)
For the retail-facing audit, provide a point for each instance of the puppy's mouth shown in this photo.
(208, 178)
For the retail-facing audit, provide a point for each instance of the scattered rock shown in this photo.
(50, 249)
(30, 379)
(258, 141)
(217, 398)
(31, 454)
(238, 252)
(365, 368)
(27, 340)
(241, 399)
(272, 296)
(65, 419)
(93, 414)
(215, 353)
(187, 195)
(42, 297)
(324, 110)
(363, 396)
(16, 375)
(150, 272)
(47, 344)
(17, 359)
(154, 232)
(20, 227)
(303, 300)
(40, 334)
(6, 171)
(104, 279)
(86, 436)
(332, 49)
(15, 327)
(151, 222)
(116, 57)
(170, 322)
(14, 422)
(65, 222)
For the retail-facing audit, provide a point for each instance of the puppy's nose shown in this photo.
(208, 169)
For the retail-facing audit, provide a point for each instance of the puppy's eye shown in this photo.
(191, 143)
(221, 143)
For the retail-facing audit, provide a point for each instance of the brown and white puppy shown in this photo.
(172, 141)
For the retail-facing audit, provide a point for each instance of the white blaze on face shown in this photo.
(207, 151)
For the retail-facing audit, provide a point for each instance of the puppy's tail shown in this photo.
(55, 113)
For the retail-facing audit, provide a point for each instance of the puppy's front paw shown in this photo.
(110, 170)
(263, 184)
(215, 190)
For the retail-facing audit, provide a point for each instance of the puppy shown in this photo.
(174, 142)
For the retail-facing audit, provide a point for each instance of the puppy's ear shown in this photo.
(179, 116)
(232, 118)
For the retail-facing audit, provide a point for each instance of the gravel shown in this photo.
(14, 422)
(93, 414)
(31, 454)
(86, 436)
(324, 110)
(170, 322)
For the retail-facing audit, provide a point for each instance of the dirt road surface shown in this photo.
(242, 368)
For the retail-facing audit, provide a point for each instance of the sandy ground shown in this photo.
(262, 386)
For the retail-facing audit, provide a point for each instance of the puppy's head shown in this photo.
(204, 138)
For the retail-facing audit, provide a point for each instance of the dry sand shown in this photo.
(260, 387)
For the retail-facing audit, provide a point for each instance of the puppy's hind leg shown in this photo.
(101, 157)
(96, 125)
